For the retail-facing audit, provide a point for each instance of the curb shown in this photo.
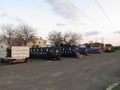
(111, 86)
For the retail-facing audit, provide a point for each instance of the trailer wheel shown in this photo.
(10, 61)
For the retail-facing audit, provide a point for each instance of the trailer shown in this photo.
(45, 53)
(15, 54)
(94, 50)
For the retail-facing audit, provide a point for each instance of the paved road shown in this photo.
(94, 72)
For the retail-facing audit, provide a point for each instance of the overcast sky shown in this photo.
(97, 20)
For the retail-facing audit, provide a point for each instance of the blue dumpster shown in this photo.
(83, 51)
(45, 53)
(69, 51)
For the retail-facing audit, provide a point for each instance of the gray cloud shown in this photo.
(117, 32)
(4, 15)
(19, 20)
(92, 33)
(64, 9)
(60, 24)
(11, 19)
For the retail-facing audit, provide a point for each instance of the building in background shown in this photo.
(37, 42)
(97, 44)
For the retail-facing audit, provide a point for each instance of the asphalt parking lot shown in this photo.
(93, 72)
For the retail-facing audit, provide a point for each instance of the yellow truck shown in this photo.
(109, 48)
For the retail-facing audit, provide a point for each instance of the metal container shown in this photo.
(69, 51)
(45, 53)
(83, 51)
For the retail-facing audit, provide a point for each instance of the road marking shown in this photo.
(56, 74)
(50, 61)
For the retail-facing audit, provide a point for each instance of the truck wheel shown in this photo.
(10, 61)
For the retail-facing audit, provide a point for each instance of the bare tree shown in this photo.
(69, 37)
(54, 37)
(7, 35)
(25, 34)
(72, 38)
(17, 35)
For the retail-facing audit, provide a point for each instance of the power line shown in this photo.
(104, 12)
(82, 12)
